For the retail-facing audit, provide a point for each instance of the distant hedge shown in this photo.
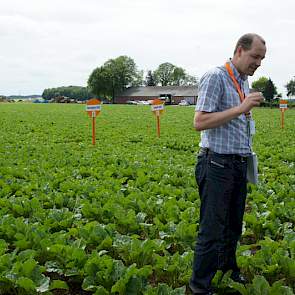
(72, 92)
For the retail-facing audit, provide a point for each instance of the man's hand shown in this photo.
(252, 100)
(203, 120)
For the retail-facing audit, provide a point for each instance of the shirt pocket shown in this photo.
(230, 99)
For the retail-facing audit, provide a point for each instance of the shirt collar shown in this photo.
(238, 76)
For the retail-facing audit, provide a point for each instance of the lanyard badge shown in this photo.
(251, 123)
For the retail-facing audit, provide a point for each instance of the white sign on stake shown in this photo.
(157, 107)
(283, 104)
(93, 108)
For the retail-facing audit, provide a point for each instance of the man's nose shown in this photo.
(258, 62)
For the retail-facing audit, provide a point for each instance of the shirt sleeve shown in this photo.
(210, 92)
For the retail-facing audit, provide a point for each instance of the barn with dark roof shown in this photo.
(171, 94)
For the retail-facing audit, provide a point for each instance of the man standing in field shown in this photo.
(223, 115)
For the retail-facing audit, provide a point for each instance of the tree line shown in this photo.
(74, 92)
(118, 74)
(269, 90)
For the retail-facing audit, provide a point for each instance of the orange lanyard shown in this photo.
(237, 85)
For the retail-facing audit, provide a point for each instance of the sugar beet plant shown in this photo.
(121, 217)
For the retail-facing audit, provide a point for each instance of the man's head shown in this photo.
(248, 54)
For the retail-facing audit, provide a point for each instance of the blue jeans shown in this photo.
(222, 182)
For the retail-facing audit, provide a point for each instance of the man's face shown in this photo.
(250, 60)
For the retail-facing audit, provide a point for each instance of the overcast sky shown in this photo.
(52, 43)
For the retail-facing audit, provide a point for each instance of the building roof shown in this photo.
(158, 90)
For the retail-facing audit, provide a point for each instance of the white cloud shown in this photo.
(51, 43)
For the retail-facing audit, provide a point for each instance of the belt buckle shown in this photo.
(243, 159)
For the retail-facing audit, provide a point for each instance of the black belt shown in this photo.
(206, 151)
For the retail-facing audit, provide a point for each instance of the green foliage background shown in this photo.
(121, 217)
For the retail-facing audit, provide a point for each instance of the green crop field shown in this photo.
(121, 217)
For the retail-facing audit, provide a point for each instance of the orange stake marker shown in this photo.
(158, 125)
(283, 107)
(93, 129)
(158, 109)
(93, 108)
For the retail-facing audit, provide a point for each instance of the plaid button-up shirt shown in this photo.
(216, 94)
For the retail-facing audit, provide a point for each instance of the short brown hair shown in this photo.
(246, 41)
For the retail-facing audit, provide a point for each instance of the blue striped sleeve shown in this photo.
(210, 92)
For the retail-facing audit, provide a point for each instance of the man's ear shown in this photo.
(239, 51)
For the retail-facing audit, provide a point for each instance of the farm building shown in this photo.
(171, 94)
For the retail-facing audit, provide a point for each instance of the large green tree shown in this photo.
(291, 87)
(164, 74)
(168, 74)
(269, 91)
(114, 76)
(266, 86)
(149, 79)
(99, 81)
(260, 84)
